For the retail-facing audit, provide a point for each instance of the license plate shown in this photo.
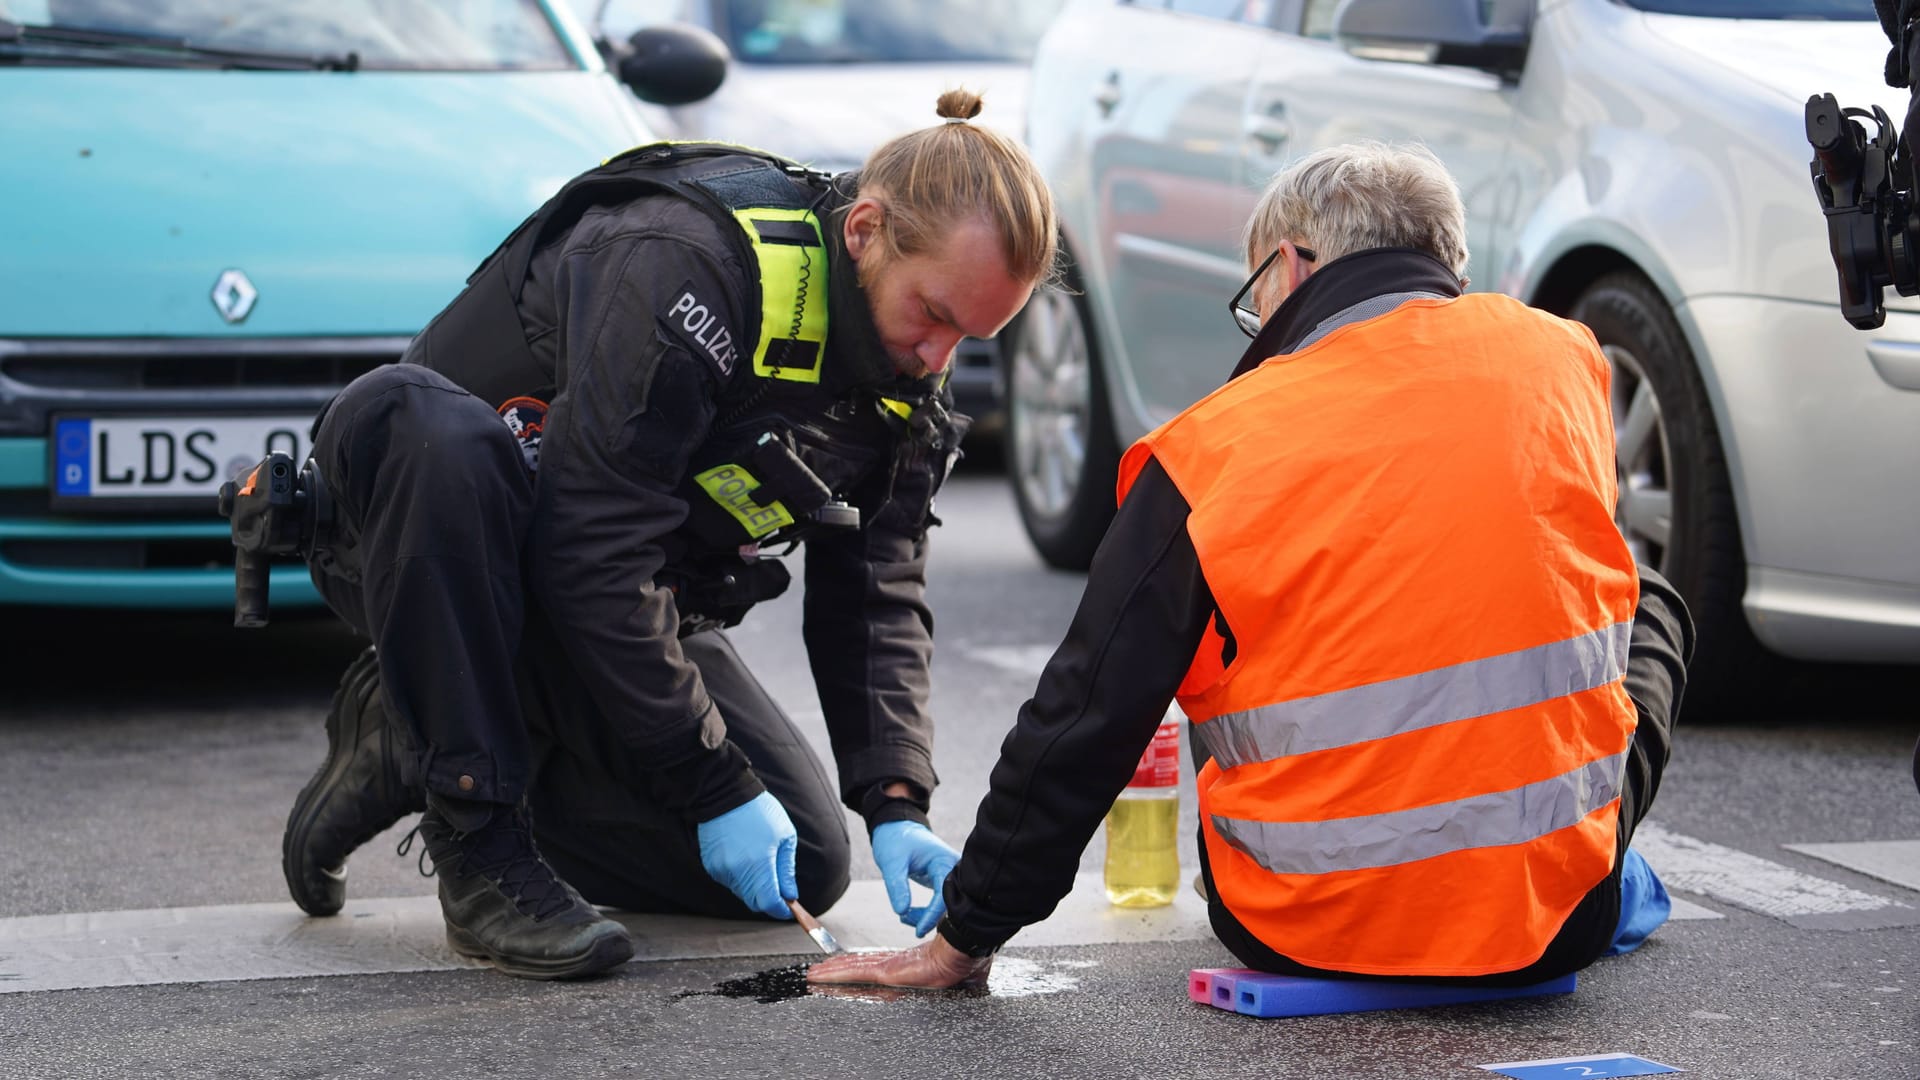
(166, 458)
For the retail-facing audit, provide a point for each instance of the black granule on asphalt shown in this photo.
(765, 987)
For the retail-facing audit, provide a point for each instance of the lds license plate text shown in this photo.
(166, 456)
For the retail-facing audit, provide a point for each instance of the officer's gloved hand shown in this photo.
(750, 850)
(908, 851)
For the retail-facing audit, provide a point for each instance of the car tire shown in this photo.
(1676, 504)
(1062, 456)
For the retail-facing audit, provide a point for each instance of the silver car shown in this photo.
(1640, 165)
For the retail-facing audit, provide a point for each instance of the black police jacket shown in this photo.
(632, 325)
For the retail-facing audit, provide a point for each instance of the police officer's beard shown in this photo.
(867, 271)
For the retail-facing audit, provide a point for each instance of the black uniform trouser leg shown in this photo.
(432, 500)
(620, 847)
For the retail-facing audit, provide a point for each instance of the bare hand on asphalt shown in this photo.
(931, 965)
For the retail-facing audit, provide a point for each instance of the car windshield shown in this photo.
(1760, 9)
(883, 31)
(463, 35)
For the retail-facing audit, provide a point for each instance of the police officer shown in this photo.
(589, 465)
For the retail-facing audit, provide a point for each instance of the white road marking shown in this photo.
(1750, 882)
(1687, 909)
(1896, 862)
(383, 936)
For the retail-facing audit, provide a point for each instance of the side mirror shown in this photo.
(1439, 32)
(674, 64)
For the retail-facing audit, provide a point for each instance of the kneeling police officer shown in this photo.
(586, 467)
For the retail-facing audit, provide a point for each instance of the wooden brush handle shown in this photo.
(805, 919)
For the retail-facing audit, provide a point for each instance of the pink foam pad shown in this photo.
(1214, 986)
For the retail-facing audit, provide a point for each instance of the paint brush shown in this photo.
(814, 930)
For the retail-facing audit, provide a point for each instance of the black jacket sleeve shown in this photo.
(636, 395)
(1076, 743)
(1657, 657)
(869, 637)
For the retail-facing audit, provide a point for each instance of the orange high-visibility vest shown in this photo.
(1419, 745)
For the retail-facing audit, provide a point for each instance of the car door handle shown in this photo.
(1108, 99)
(1269, 127)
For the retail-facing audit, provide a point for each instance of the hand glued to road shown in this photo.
(931, 965)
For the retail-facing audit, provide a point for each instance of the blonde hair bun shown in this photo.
(958, 104)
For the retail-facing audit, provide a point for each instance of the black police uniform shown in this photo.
(542, 514)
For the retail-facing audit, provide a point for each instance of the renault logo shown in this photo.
(233, 296)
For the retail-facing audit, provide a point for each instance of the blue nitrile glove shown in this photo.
(1644, 905)
(908, 850)
(750, 850)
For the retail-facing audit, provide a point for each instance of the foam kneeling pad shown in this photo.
(1257, 993)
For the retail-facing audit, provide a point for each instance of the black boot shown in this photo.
(357, 793)
(504, 904)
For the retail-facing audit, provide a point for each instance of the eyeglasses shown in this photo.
(1244, 316)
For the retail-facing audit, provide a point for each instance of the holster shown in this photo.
(275, 511)
(719, 594)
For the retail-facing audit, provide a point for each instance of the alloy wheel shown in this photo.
(1050, 403)
(1642, 457)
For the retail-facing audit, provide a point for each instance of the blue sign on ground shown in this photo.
(1574, 1067)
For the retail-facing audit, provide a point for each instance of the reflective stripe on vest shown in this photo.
(1403, 836)
(792, 262)
(1377, 710)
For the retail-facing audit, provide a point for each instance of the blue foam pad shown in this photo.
(1255, 993)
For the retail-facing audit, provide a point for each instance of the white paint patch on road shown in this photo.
(1896, 862)
(1750, 882)
(386, 936)
(1014, 976)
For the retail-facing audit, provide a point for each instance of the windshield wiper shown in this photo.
(122, 47)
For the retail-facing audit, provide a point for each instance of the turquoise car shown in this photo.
(217, 212)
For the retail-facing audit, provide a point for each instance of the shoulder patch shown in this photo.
(697, 323)
(526, 418)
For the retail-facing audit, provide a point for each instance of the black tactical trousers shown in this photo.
(432, 501)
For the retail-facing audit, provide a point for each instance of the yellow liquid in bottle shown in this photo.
(1143, 862)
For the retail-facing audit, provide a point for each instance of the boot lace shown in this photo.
(406, 844)
(502, 851)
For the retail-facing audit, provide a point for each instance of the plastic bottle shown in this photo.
(1143, 860)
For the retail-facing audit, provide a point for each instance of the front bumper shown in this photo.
(72, 561)
(181, 559)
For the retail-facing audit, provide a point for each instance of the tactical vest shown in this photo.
(783, 453)
(1419, 739)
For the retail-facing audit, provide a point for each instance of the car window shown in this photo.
(1317, 17)
(1257, 12)
(1761, 9)
(1212, 9)
(390, 34)
(878, 31)
(1316, 20)
(631, 14)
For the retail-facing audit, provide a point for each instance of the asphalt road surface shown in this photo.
(147, 764)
